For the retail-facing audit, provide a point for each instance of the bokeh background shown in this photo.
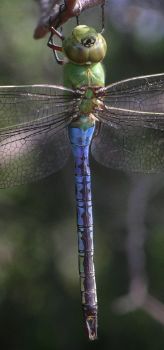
(39, 286)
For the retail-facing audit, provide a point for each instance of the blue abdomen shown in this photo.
(80, 142)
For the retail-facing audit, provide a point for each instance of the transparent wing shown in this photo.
(142, 94)
(131, 149)
(34, 103)
(131, 135)
(33, 135)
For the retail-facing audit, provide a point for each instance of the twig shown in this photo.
(55, 13)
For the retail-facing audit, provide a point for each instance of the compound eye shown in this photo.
(88, 42)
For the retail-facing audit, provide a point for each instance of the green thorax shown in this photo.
(85, 49)
(89, 76)
(76, 76)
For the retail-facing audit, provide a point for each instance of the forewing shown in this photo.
(142, 94)
(34, 103)
(33, 135)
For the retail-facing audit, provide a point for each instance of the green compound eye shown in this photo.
(84, 46)
(88, 42)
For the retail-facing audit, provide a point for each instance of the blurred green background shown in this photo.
(39, 286)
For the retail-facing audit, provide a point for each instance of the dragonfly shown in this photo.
(121, 125)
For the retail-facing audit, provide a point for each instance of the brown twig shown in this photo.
(53, 14)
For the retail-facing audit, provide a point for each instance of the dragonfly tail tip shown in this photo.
(91, 325)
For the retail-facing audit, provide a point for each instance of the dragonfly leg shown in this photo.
(54, 46)
(56, 32)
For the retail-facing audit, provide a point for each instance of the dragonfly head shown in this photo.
(85, 46)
